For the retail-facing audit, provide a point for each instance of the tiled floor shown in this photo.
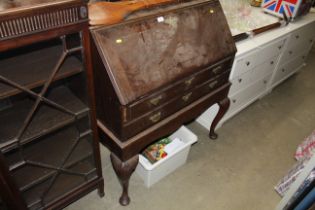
(236, 172)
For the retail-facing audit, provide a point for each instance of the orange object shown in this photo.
(107, 13)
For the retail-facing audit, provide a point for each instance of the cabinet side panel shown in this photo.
(107, 104)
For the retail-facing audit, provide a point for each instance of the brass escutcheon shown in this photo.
(156, 117)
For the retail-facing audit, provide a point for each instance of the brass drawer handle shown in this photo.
(217, 69)
(186, 97)
(155, 101)
(189, 81)
(156, 117)
(213, 84)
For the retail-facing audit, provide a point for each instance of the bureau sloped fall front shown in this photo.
(155, 72)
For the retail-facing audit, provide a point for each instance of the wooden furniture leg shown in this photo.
(224, 106)
(100, 190)
(124, 171)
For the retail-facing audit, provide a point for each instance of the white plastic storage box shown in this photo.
(152, 173)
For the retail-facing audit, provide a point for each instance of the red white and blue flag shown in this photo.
(281, 6)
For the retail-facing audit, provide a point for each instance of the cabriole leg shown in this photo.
(124, 171)
(224, 106)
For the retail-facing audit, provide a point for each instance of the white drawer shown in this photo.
(244, 98)
(271, 50)
(240, 82)
(244, 63)
(288, 68)
(264, 69)
(307, 32)
(304, 36)
(294, 50)
(297, 36)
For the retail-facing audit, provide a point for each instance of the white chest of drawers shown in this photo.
(263, 62)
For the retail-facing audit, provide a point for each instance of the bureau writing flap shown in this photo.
(143, 55)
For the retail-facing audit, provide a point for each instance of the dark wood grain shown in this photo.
(124, 171)
(8, 190)
(32, 68)
(152, 75)
(47, 119)
(108, 13)
(169, 50)
(223, 108)
(134, 145)
(54, 157)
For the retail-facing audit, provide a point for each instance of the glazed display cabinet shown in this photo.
(49, 151)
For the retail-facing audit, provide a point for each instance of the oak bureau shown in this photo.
(155, 71)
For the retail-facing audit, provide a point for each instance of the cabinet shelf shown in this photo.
(64, 184)
(51, 152)
(31, 69)
(42, 161)
(45, 120)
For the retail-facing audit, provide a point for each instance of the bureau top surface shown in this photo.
(8, 6)
(148, 53)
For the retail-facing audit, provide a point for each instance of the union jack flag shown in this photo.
(279, 7)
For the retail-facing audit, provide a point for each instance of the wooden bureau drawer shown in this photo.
(174, 104)
(145, 104)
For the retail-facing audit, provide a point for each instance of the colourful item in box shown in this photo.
(291, 8)
(156, 151)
